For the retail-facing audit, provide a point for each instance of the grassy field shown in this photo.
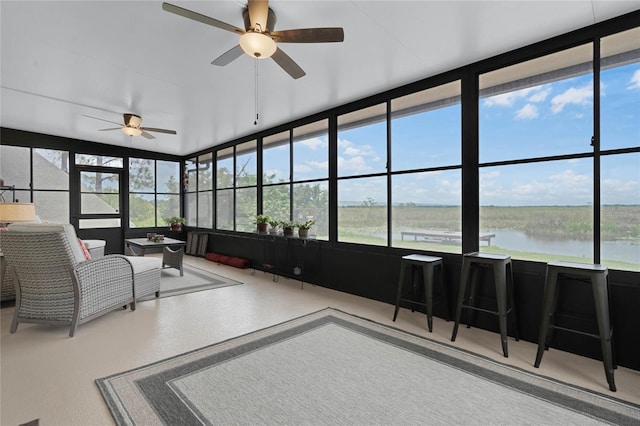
(367, 225)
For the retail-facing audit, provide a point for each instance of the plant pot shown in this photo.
(262, 228)
(287, 231)
(273, 231)
(303, 233)
(176, 226)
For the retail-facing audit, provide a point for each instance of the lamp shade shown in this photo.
(17, 212)
(257, 45)
(131, 131)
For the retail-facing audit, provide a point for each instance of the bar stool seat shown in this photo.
(503, 281)
(597, 276)
(428, 265)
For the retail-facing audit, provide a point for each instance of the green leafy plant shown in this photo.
(305, 225)
(288, 224)
(262, 219)
(273, 223)
(175, 219)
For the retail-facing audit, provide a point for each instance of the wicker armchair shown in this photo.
(55, 284)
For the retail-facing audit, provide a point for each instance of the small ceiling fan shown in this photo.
(258, 39)
(132, 127)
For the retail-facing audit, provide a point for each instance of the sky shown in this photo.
(546, 120)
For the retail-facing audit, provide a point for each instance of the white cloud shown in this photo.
(532, 94)
(578, 96)
(634, 82)
(323, 165)
(354, 164)
(313, 143)
(540, 95)
(301, 168)
(527, 112)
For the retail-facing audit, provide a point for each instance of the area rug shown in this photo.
(194, 279)
(331, 367)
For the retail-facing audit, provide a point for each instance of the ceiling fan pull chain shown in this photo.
(255, 123)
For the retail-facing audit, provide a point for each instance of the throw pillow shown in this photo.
(85, 250)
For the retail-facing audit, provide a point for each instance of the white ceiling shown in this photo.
(62, 60)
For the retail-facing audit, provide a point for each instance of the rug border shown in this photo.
(201, 273)
(547, 393)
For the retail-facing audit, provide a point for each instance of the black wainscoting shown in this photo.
(372, 272)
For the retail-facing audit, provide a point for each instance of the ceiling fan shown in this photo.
(132, 127)
(258, 39)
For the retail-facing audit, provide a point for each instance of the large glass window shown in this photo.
(362, 210)
(154, 192)
(362, 201)
(620, 129)
(426, 136)
(362, 141)
(205, 190)
(540, 108)
(51, 184)
(246, 190)
(620, 90)
(311, 151)
(224, 192)
(191, 187)
(14, 162)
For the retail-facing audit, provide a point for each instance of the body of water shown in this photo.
(623, 251)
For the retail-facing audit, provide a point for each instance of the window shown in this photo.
(620, 171)
(362, 201)
(276, 175)
(191, 188)
(154, 192)
(540, 209)
(51, 184)
(426, 142)
(14, 161)
(246, 186)
(310, 176)
(362, 141)
(205, 190)
(224, 192)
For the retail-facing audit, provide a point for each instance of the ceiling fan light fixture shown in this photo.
(257, 45)
(131, 131)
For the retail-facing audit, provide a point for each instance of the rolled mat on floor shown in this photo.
(237, 262)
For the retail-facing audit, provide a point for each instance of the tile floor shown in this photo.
(47, 375)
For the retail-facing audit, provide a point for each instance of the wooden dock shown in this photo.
(441, 236)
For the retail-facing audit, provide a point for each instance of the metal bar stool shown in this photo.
(428, 265)
(597, 276)
(503, 280)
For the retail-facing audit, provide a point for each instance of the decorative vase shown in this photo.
(262, 228)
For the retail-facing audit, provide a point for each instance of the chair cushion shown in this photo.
(142, 264)
(65, 228)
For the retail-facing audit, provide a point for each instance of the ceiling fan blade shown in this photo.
(113, 128)
(200, 18)
(309, 35)
(102, 119)
(258, 14)
(153, 129)
(288, 64)
(147, 135)
(228, 56)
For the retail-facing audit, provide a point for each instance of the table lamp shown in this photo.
(17, 212)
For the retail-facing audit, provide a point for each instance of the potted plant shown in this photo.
(273, 226)
(303, 228)
(262, 220)
(175, 222)
(287, 227)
